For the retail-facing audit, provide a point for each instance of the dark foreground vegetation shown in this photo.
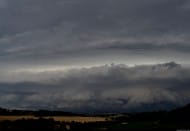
(178, 119)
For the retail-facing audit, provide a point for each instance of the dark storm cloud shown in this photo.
(39, 29)
(43, 34)
(109, 87)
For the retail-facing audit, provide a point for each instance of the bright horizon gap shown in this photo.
(39, 69)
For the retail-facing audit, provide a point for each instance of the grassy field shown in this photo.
(81, 119)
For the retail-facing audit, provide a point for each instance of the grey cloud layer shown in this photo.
(104, 88)
(47, 29)
(49, 33)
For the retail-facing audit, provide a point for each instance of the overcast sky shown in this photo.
(40, 37)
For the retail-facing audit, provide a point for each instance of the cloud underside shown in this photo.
(109, 88)
(40, 38)
(47, 31)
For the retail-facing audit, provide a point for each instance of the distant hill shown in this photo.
(181, 112)
(36, 113)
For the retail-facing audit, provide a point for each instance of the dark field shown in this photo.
(178, 119)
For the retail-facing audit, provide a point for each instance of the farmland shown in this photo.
(14, 120)
(81, 119)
